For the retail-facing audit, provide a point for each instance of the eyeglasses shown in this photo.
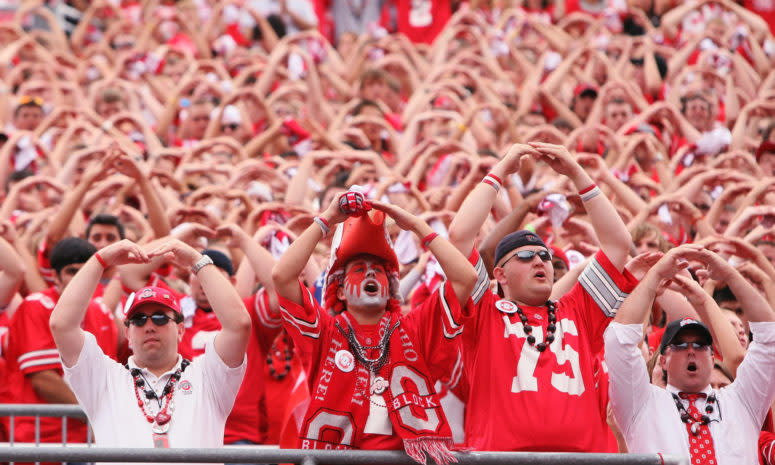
(159, 319)
(527, 256)
(697, 346)
(27, 99)
(232, 126)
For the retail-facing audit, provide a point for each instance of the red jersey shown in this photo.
(31, 349)
(350, 417)
(545, 401)
(247, 420)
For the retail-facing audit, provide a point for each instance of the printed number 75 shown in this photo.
(525, 380)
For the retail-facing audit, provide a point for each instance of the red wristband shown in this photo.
(496, 178)
(100, 260)
(584, 191)
(430, 237)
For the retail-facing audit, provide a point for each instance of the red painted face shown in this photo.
(366, 283)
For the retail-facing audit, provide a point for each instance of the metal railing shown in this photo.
(243, 454)
(63, 411)
(317, 457)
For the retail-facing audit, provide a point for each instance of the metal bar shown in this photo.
(37, 430)
(317, 457)
(11, 429)
(45, 410)
(64, 431)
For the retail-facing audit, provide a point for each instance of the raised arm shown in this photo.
(460, 273)
(476, 207)
(66, 318)
(287, 270)
(260, 259)
(232, 340)
(615, 239)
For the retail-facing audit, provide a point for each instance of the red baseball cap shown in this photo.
(150, 295)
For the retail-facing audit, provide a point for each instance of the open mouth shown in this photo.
(540, 274)
(371, 287)
(691, 366)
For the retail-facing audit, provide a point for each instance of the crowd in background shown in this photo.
(231, 123)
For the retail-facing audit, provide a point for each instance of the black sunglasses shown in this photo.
(159, 319)
(698, 346)
(527, 256)
(232, 126)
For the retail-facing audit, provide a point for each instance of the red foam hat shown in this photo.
(151, 295)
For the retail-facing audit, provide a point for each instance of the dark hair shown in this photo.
(17, 176)
(108, 220)
(69, 251)
(724, 295)
(695, 96)
(363, 104)
(30, 104)
(277, 25)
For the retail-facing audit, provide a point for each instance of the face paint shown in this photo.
(366, 284)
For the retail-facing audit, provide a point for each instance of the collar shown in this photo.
(150, 376)
(674, 390)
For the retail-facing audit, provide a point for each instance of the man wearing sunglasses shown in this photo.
(158, 399)
(530, 358)
(689, 417)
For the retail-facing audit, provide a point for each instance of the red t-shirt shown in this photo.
(545, 401)
(247, 420)
(31, 349)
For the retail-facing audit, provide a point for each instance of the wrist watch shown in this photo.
(203, 262)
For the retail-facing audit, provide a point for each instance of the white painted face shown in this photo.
(365, 283)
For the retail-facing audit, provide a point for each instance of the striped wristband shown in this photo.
(494, 181)
(323, 225)
(589, 193)
(429, 238)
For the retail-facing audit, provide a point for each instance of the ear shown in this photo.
(340, 293)
(181, 330)
(500, 275)
(662, 362)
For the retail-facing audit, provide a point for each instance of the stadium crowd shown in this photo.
(367, 210)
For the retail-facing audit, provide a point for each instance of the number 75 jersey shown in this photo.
(526, 400)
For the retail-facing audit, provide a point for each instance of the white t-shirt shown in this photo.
(203, 398)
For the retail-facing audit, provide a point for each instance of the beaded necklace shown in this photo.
(373, 364)
(161, 421)
(687, 418)
(550, 329)
(275, 352)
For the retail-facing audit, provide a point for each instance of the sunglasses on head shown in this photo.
(159, 319)
(527, 256)
(27, 99)
(232, 126)
(697, 346)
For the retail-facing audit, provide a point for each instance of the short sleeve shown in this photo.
(31, 336)
(223, 383)
(87, 376)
